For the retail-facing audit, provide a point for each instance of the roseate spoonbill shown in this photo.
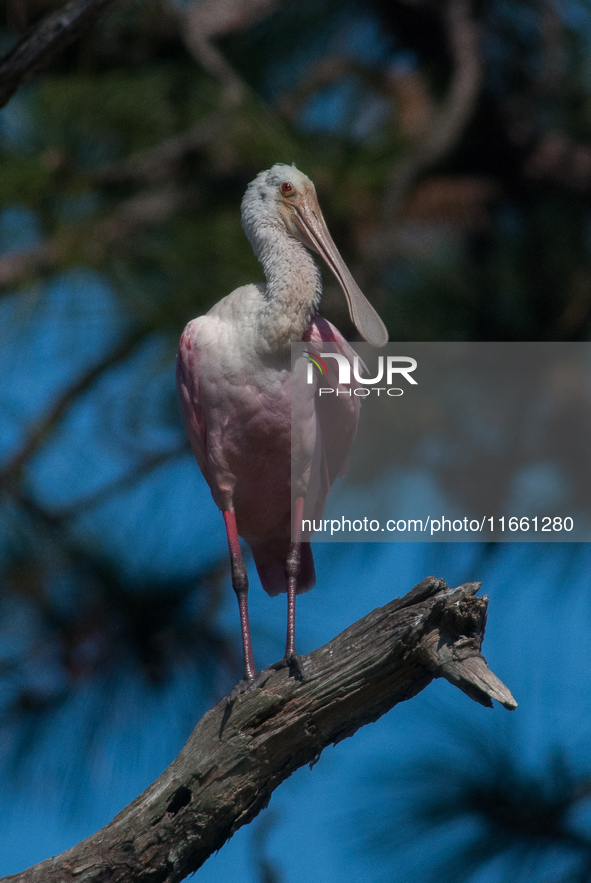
(234, 383)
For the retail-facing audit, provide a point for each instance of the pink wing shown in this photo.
(336, 425)
(187, 382)
(337, 416)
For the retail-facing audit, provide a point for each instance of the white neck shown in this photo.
(293, 289)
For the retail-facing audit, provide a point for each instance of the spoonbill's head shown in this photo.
(282, 202)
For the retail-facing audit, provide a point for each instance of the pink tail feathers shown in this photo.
(271, 569)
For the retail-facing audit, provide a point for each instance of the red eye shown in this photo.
(286, 188)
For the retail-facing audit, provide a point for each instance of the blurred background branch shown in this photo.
(45, 40)
(446, 123)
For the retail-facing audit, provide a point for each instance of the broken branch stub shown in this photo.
(452, 648)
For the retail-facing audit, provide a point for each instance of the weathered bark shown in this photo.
(42, 42)
(238, 754)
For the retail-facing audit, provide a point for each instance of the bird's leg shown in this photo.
(240, 586)
(292, 570)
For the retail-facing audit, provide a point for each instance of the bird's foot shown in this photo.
(247, 685)
(241, 687)
(293, 661)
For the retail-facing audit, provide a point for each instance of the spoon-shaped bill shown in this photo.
(314, 234)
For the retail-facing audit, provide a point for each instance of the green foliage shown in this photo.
(25, 180)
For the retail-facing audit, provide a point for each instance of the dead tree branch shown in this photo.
(238, 754)
(40, 44)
